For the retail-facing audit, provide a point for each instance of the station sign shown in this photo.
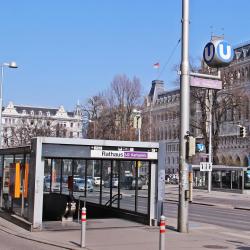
(206, 166)
(218, 53)
(137, 155)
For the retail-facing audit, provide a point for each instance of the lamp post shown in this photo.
(91, 121)
(12, 65)
(137, 122)
(93, 166)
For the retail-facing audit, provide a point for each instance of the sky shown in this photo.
(68, 51)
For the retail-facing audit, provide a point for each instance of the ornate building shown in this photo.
(162, 108)
(20, 123)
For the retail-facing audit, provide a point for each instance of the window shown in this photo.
(32, 112)
(71, 124)
(48, 113)
(40, 113)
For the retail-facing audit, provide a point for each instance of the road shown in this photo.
(217, 215)
(225, 217)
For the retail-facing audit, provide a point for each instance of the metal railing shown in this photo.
(113, 199)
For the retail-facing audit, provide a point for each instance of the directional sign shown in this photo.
(206, 166)
(205, 83)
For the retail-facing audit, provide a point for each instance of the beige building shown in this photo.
(21, 122)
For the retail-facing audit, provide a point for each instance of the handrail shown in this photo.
(113, 199)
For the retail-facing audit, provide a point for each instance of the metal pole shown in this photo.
(210, 139)
(190, 185)
(162, 232)
(184, 122)
(1, 105)
(83, 231)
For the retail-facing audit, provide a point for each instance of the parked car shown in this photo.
(97, 181)
(51, 186)
(114, 183)
(129, 182)
(79, 185)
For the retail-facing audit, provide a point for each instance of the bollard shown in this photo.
(162, 233)
(83, 231)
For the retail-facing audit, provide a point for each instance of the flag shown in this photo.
(156, 65)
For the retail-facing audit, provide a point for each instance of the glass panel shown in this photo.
(67, 175)
(115, 184)
(8, 160)
(106, 172)
(18, 172)
(1, 178)
(216, 179)
(79, 174)
(143, 184)
(26, 184)
(226, 179)
(127, 185)
(247, 179)
(200, 179)
(47, 175)
(56, 176)
(93, 193)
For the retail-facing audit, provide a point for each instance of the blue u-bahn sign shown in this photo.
(218, 53)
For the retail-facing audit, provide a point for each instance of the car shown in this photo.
(114, 183)
(79, 185)
(97, 181)
(129, 182)
(49, 186)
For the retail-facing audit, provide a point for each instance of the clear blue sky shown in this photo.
(70, 50)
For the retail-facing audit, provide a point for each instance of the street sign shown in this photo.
(200, 147)
(205, 83)
(218, 53)
(206, 166)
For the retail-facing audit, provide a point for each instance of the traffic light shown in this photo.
(190, 146)
(242, 131)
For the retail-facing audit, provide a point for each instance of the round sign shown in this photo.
(218, 53)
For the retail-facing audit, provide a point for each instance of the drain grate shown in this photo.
(215, 247)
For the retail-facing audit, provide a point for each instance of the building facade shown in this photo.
(20, 123)
(163, 110)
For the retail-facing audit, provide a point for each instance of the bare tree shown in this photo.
(224, 102)
(111, 112)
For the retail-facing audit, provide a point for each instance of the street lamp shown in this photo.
(137, 122)
(91, 121)
(11, 65)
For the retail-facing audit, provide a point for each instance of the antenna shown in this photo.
(211, 31)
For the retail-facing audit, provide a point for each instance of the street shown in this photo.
(224, 217)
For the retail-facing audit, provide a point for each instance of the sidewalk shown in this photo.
(118, 234)
(213, 198)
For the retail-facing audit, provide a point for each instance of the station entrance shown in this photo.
(107, 187)
(57, 175)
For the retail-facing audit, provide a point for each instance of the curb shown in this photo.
(212, 205)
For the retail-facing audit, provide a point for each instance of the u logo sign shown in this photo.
(208, 53)
(224, 51)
